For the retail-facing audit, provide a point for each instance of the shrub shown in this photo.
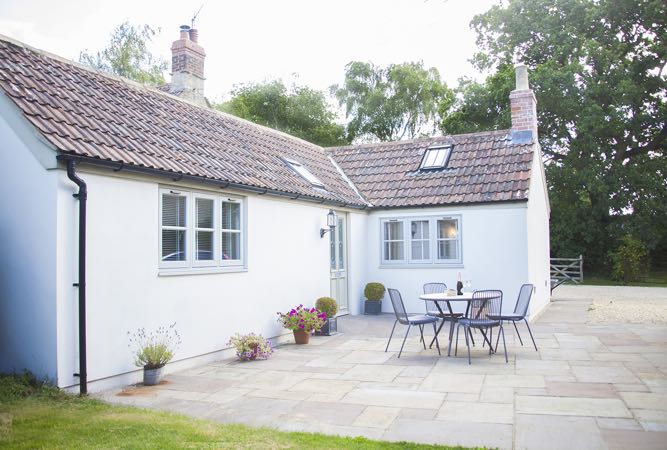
(251, 346)
(301, 318)
(155, 349)
(16, 386)
(629, 260)
(327, 305)
(374, 292)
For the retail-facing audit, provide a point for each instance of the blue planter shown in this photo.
(152, 376)
(330, 327)
(373, 308)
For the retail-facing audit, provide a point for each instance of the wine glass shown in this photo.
(468, 285)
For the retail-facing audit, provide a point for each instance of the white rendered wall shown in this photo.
(494, 250)
(538, 236)
(288, 264)
(28, 243)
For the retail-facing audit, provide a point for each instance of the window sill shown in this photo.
(456, 265)
(199, 271)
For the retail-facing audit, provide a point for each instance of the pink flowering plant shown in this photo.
(251, 346)
(304, 319)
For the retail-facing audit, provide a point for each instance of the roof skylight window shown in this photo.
(436, 157)
(304, 173)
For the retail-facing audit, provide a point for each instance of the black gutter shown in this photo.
(118, 167)
(82, 196)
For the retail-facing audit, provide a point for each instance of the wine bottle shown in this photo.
(459, 286)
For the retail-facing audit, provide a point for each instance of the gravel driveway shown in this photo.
(619, 304)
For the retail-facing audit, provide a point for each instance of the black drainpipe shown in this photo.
(82, 196)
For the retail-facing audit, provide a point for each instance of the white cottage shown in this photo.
(126, 206)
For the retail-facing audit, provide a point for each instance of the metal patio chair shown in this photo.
(520, 311)
(409, 320)
(484, 309)
(447, 315)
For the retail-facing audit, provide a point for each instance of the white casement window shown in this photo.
(174, 228)
(231, 232)
(448, 239)
(421, 240)
(200, 231)
(204, 233)
(393, 241)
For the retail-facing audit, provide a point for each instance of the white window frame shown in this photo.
(175, 264)
(241, 231)
(433, 259)
(410, 240)
(384, 241)
(457, 239)
(216, 208)
(191, 265)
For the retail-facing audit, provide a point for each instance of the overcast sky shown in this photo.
(257, 40)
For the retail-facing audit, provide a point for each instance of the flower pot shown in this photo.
(372, 307)
(330, 327)
(301, 337)
(152, 376)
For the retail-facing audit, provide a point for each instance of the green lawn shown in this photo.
(655, 278)
(33, 416)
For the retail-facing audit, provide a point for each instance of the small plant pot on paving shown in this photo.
(154, 350)
(302, 321)
(153, 376)
(374, 293)
(328, 306)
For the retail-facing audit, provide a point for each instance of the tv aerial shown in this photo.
(192, 22)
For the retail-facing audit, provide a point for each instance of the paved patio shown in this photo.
(590, 386)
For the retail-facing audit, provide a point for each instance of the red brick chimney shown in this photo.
(187, 66)
(524, 109)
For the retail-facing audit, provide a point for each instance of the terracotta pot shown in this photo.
(301, 337)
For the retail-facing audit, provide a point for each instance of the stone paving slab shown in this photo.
(589, 386)
(572, 406)
(546, 432)
(467, 434)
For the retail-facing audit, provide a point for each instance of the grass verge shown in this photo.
(655, 278)
(33, 415)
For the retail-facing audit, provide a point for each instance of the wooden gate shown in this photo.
(566, 270)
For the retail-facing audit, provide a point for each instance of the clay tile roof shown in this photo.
(483, 167)
(86, 113)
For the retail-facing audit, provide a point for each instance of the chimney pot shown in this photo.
(521, 72)
(194, 34)
(185, 31)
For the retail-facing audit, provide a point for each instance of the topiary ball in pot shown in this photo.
(328, 306)
(374, 292)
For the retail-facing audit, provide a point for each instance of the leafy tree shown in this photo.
(481, 106)
(127, 55)
(396, 102)
(629, 260)
(299, 111)
(598, 71)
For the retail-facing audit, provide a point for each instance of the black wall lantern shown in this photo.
(331, 223)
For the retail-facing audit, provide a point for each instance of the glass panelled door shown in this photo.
(338, 262)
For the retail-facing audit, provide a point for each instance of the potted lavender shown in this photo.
(154, 350)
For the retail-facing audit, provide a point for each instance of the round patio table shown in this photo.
(447, 299)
